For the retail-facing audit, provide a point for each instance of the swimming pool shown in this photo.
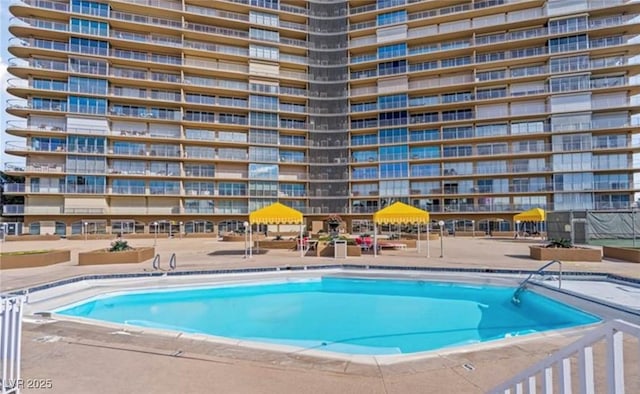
(344, 315)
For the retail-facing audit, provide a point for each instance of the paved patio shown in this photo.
(88, 359)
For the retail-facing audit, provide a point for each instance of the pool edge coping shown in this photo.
(364, 267)
(289, 350)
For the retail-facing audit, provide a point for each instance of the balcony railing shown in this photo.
(526, 14)
(39, 23)
(172, 5)
(46, 4)
(13, 209)
(216, 65)
(56, 106)
(148, 20)
(11, 146)
(34, 167)
(13, 188)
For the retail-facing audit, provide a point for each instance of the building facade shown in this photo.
(160, 115)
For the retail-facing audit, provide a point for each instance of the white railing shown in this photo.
(10, 343)
(581, 353)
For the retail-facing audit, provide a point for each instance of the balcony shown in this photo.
(216, 65)
(44, 127)
(146, 113)
(48, 5)
(166, 4)
(53, 106)
(128, 190)
(154, 39)
(13, 210)
(39, 64)
(147, 20)
(83, 211)
(38, 24)
(16, 147)
(199, 210)
(11, 188)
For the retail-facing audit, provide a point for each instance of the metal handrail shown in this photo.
(172, 262)
(156, 262)
(539, 271)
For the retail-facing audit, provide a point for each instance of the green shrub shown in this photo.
(119, 246)
(560, 243)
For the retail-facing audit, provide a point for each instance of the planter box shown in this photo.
(198, 235)
(409, 243)
(433, 235)
(284, 234)
(326, 250)
(240, 238)
(565, 254)
(284, 244)
(81, 237)
(631, 255)
(97, 257)
(469, 234)
(34, 260)
(503, 234)
(143, 236)
(27, 237)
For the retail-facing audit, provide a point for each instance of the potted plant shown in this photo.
(559, 243)
(119, 246)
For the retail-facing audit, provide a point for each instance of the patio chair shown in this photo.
(362, 244)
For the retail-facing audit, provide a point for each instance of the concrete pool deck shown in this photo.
(89, 359)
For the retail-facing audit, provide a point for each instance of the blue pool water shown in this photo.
(358, 316)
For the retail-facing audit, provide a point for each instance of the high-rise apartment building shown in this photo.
(192, 113)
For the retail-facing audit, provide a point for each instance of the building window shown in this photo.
(394, 170)
(272, 4)
(394, 101)
(88, 46)
(263, 52)
(263, 19)
(89, 27)
(394, 67)
(393, 136)
(395, 50)
(570, 43)
(87, 105)
(392, 17)
(264, 35)
(397, 118)
(263, 171)
(87, 85)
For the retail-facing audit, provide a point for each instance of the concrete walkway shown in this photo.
(209, 253)
(88, 359)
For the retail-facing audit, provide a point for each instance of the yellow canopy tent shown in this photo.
(400, 213)
(276, 213)
(532, 215)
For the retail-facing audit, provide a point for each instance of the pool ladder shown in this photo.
(172, 262)
(523, 285)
